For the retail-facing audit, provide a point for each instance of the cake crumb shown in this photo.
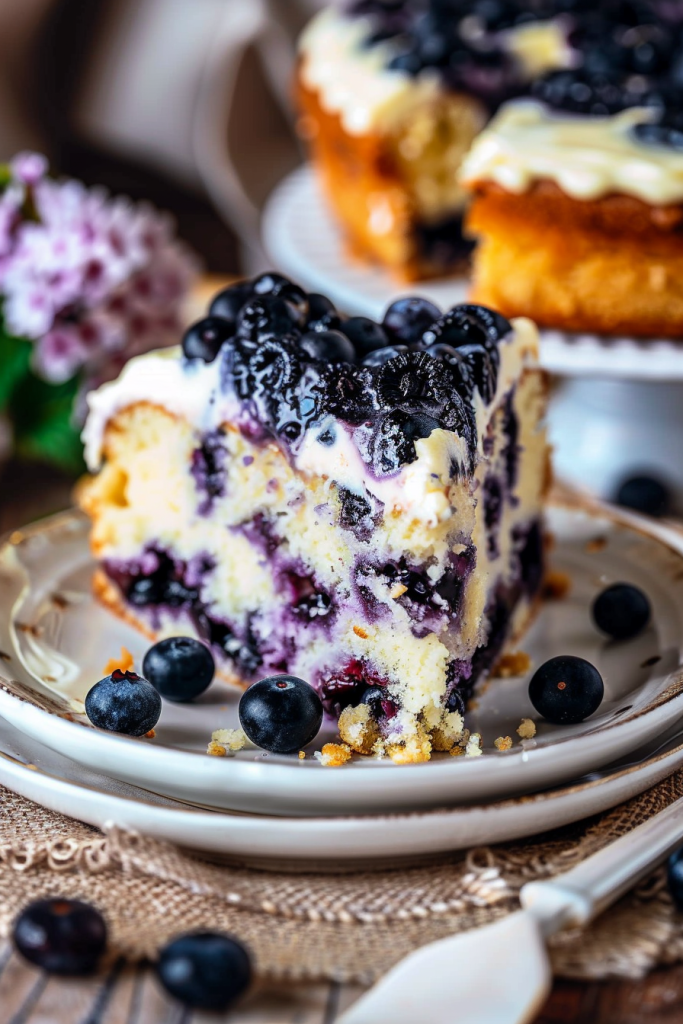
(231, 739)
(398, 590)
(503, 743)
(302, 755)
(151, 734)
(216, 749)
(594, 546)
(515, 663)
(526, 729)
(473, 748)
(124, 662)
(457, 751)
(556, 585)
(358, 729)
(359, 631)
(448, 732)
(333, 755)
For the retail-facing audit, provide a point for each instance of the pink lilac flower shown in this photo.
(93, 280)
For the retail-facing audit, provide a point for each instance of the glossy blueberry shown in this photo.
(373, 697)
(61, 936)
(621, 611)
(667, 131)
(456, 702)
(481, 373)
(328, 347)
(205, 970)
(566, 690)
(644, 494)
(406, 320)
(229, 302)
(281, 714)
(674, 877)
(322, 315)
(205, 339)
(365, 335)
(123, 702)
(180, 668)
(265, 316)
(275, 285)
(270, 283)
(382, 355)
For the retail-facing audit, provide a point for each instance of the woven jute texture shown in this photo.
(345, 926)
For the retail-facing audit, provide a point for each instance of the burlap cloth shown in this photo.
(348, 927)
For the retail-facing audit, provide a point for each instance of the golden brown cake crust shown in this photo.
(612, 265)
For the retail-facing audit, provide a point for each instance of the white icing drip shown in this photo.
(587, 157)
(161, 378)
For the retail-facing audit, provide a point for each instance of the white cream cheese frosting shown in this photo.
(588, 157)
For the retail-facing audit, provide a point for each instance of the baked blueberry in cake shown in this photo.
(578, 181)
(357, 504)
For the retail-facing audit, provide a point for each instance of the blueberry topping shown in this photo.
(228, 303)
(328, 347)
(61, 936)
(674, 877)
(281, 714)
(566, 690)
(393, 443)
(478, 370)
(265, 316)
(406, 320)
(456, 702)
(621, 611)
(205, 339)
(322, 315)
(180, 668)
(644, 494)
(373, 697)
(382, 355)
(123, 702)
(666, 131)
(365, 335)
(205, 970)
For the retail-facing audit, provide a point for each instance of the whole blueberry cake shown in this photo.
(587, 133)
(355, 503)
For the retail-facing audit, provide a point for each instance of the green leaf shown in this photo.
(15, 359)
(41, 414)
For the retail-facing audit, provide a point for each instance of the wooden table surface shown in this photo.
(131, 995)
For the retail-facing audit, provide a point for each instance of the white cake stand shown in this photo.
(617, 409)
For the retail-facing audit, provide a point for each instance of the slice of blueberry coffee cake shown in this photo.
(357, 504)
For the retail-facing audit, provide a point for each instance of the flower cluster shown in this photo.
(91, 280)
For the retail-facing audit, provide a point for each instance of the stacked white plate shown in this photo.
(55, 641)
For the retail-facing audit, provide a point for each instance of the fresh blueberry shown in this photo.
(328, 347)
(480, 372)
(456, 702)
(322, 315)
(644, 494)
(410, 62)
(281, 714)
(276, 285)
(382, 355)
(205, 970)
(566, 690)
(61, 936)
(365, 335)
(373, 697)
(265, 316)
(406, 320)
(123, 702)
(621, 611)
(674, 876)
(270, 283)
(180, 668)
(228, 303)
(205, 339)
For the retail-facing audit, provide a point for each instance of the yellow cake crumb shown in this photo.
(362, 633)
(556, 585)
(124, 662)
(333, 755)
(503, 743)
(515, 663)
(413, 750)
(216, 749)
(302, 755)
(457, 751)
(448, 732)
(231, 739)
(151, 734)
(358, 729)
(473, 748)
(398, 590)
(527, 729)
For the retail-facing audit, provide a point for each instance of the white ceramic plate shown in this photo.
(62, 785)
(55, 641)
(304, 241)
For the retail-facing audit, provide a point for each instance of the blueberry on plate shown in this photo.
(180, 668)
(644, 494)
(61, 936)
(123, 702)
(205, 339)
(621, 611)
(566, 690)
(205, 970)
(365, 335)
(228, 303)
(281, 714)
(674, 877)
(328, 347)
(406, 320)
